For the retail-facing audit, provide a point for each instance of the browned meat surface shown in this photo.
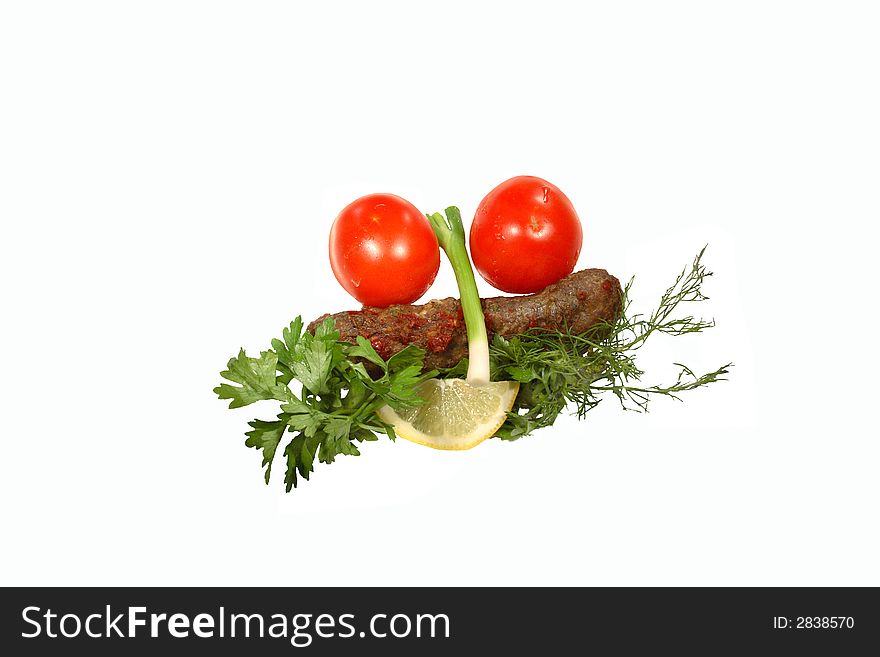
(578, 301)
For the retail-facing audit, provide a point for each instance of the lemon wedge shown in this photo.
(456, 415)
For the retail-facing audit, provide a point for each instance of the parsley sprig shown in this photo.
(336, 404)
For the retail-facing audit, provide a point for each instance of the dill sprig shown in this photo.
(557, 368)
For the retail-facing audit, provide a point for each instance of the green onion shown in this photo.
(450, 234)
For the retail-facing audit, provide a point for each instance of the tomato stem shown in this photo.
(450, 235)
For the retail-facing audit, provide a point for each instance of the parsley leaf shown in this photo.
(365, 350)
(402, 386)
(313, 364)
(291, 452)
(257, 379)
(266, 436)
(409, 355)
(285, 348)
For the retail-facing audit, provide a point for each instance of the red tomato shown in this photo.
(525, 235)
(383, 250)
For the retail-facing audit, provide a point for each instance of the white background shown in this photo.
(168, 175)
